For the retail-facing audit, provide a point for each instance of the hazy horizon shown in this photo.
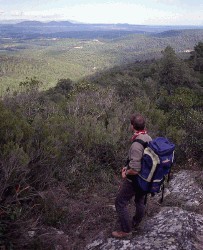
(15, 21)
(143, 12)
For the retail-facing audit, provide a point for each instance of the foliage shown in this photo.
(60, 57)
(174, 72)
(197, 57)
(30, 84)
(65, 143)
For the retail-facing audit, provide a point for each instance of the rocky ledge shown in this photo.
(177, 226)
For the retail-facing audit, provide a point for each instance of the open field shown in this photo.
(50, 59)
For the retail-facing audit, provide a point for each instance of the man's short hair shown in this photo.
(138, 122)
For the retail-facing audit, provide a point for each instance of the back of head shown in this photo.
(138, 122)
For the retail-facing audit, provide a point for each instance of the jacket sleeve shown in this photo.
(135, 156)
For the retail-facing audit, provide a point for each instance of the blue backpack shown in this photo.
(156, 164)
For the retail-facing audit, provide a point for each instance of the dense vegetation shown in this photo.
(52, 58)
(61, 150)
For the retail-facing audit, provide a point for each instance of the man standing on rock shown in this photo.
(128, 188)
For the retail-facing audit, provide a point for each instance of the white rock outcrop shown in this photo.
(177, 226)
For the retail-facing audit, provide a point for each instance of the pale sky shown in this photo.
(161, 12)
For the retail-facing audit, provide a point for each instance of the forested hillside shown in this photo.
(61, 150)
(52, 58)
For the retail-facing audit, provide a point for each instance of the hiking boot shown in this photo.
(135, 224)
(121, 234)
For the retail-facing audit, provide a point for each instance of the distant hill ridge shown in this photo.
(51, 23)
(98, 26)
(34, 29)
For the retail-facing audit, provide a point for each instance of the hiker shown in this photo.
(128, 188)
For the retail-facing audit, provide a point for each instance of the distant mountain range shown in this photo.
(99, 26)
(48, 24)
(66, 29)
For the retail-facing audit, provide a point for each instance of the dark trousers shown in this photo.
(126, 192)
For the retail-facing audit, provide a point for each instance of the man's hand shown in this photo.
(131, 172)
(123, 173)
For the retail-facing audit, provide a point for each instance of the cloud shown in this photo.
(180, 3)
(17, 13)
(193, 18)
(116, 13)
(52, 17)
(2, 12)
(167, 1)
(49, 15)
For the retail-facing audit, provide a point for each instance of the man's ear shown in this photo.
(132, 128)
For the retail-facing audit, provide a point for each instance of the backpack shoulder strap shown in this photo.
(143, 143)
